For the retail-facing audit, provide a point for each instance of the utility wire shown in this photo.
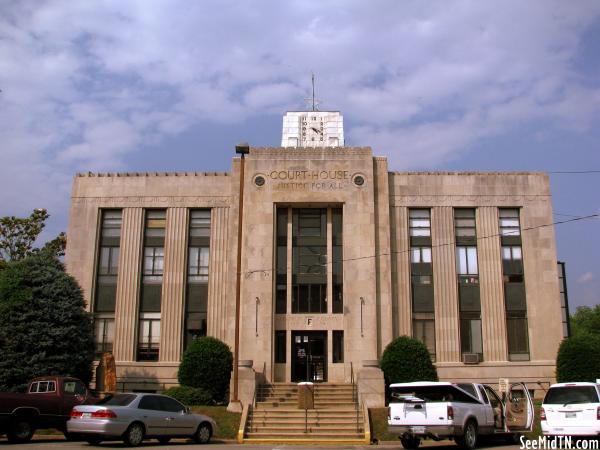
(445, 244)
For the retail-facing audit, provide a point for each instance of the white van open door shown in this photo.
(518, 411)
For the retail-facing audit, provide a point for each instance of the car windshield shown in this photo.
(571, 394)
(117, 400)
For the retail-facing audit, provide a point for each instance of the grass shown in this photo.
(227, 422)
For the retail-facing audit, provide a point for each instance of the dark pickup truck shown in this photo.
(46, 404)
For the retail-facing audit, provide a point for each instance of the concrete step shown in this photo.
(302, 435)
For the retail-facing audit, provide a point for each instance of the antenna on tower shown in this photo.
(313, 91)
(312, 101)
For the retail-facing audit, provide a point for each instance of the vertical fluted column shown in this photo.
(401, 258)
(128, 285)
(173, 288)
(447, 335)
(493, 321)
(218, 280)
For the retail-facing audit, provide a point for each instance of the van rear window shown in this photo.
(563, 395)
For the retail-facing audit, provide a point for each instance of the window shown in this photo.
(337, 263)
(198, 264)
(196, 306)
(281, 263)
(150, 402)
(467, 269)
(466, 264)
(154, 258)
(170, 404)
(420, 222)
(420, 255)
(514, 288)
(149, 337)
(424, 330)
(151, 290)
(470, 334)
(104, 334)
(464, 223)
(511, 253)
(74, 387)
(509, 222)
(41, 387)
(338, 346)
(280, 347)
(109, 261)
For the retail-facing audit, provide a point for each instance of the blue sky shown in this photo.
(173, 85)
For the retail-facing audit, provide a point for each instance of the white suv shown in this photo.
(571, 409)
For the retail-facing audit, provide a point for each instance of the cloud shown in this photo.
(587, 277)
(87, 84)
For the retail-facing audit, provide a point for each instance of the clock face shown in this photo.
(312, 132)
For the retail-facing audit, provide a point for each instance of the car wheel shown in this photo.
(164, 440)
(134, 435)
(468, 440)
(93, 440)
(513, 438)
(410, 442)
(71, 436)
(203, 433)
(21, 429)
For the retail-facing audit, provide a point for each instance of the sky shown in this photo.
(153, 85)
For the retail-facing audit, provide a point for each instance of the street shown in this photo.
(56, 442)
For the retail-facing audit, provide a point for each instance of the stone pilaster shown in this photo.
(401, 267)
(128, 284)
(491, 286)
(447, 336)
(218, 278)
(383, 262)
(173, 288)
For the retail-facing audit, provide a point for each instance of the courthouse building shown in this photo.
(339, 255)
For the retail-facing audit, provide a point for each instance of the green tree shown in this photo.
(18, 235)
(586, 320)
(44, 328)
(406, 359)
(577, 359)
(207, 364)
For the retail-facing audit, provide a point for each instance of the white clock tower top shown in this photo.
(313, 129)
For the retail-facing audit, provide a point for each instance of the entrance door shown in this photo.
(309, 356)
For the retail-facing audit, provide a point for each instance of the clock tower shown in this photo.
(313, 129)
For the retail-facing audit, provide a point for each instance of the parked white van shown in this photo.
(571, 409)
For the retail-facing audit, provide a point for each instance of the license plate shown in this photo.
(86, 415)
(417, 430)
(570, 415)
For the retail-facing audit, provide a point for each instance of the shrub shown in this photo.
(577, 359)
(190, 395)
(207, 364)
(406, 359)
(44, 328)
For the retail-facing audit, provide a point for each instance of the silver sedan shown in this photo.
(135, 417)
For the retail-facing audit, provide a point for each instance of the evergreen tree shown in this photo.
(406, 359)
(44, 328)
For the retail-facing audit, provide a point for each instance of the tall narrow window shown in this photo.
(308, 251)
(106, 280)
(337, 263)
(467, 268)
(421, 271)
(280, 347)
(151, 292)
(337, 338)
(514, 286)
(281, 256)
(309, 261)
(197, 279)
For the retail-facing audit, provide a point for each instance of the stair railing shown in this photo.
(354, 395)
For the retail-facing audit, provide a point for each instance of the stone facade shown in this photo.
(377, 302)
